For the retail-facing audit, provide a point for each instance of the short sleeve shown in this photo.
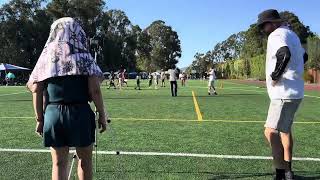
(277, 41)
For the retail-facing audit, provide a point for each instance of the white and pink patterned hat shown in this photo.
(65, 53)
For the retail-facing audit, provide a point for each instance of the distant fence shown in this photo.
(315, 75)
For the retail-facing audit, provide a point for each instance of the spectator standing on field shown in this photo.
(285, 85)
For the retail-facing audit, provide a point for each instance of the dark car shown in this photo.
(132, 75)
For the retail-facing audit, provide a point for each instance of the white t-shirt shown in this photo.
(163, 75)
(291, 84)
(156, 75)
(212, 75)
(173, 75)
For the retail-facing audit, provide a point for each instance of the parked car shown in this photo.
(106, 75)
(132, 75)
(144, 75)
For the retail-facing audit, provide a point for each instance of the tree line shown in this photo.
(25, 27)
(242, 55)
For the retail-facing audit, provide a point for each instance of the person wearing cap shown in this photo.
(65, 79)
(285, 85)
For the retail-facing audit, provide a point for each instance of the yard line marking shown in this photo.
(204, 87)
(182, 120)
(208, 120)
(196, 106)
(13, 93)
(248, 85)
(186, 120)
(218, 156)
(251, 90)
(318, 97)
(264, 92)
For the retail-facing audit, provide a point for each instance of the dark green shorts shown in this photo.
(69, 125)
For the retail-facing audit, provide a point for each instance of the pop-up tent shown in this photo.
(5, 67)
(9, 67)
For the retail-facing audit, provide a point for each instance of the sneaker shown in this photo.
(280, 174)
(209, 93)
(289, 175)
(278, 178)
(215, 93)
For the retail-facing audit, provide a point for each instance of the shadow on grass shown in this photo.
(304, 175)
(208, 175)
(301, 175)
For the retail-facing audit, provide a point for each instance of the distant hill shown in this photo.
(183, 69)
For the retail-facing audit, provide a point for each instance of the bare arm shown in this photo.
(37, 98)
(96, 96)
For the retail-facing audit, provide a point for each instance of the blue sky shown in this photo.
(202, 23)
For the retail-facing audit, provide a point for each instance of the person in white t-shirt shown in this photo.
(163, 78)
(212, 78)
(183, 78)
(156, 77)
(284, 79)
(173, 80)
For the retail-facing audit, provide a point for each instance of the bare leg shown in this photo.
(287, 143)
(59, 163)
(85, 162)
(274, 140)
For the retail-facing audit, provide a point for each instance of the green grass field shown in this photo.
(152, 121)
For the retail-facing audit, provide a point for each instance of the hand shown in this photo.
(39, 128)
(30, 87)
(102, 124)
(274, 83)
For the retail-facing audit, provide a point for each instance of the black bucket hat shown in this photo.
(270, 15)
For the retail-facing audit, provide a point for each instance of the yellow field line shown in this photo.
(196, 106)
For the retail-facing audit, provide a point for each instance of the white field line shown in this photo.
(165, 154)
(318, 97)
(248, 85)
(13, 93)
(312, 96)
(264, 92)
(252, 90)
(182, 120)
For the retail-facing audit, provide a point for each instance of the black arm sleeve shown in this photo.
(305, 57)
(283, 57)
